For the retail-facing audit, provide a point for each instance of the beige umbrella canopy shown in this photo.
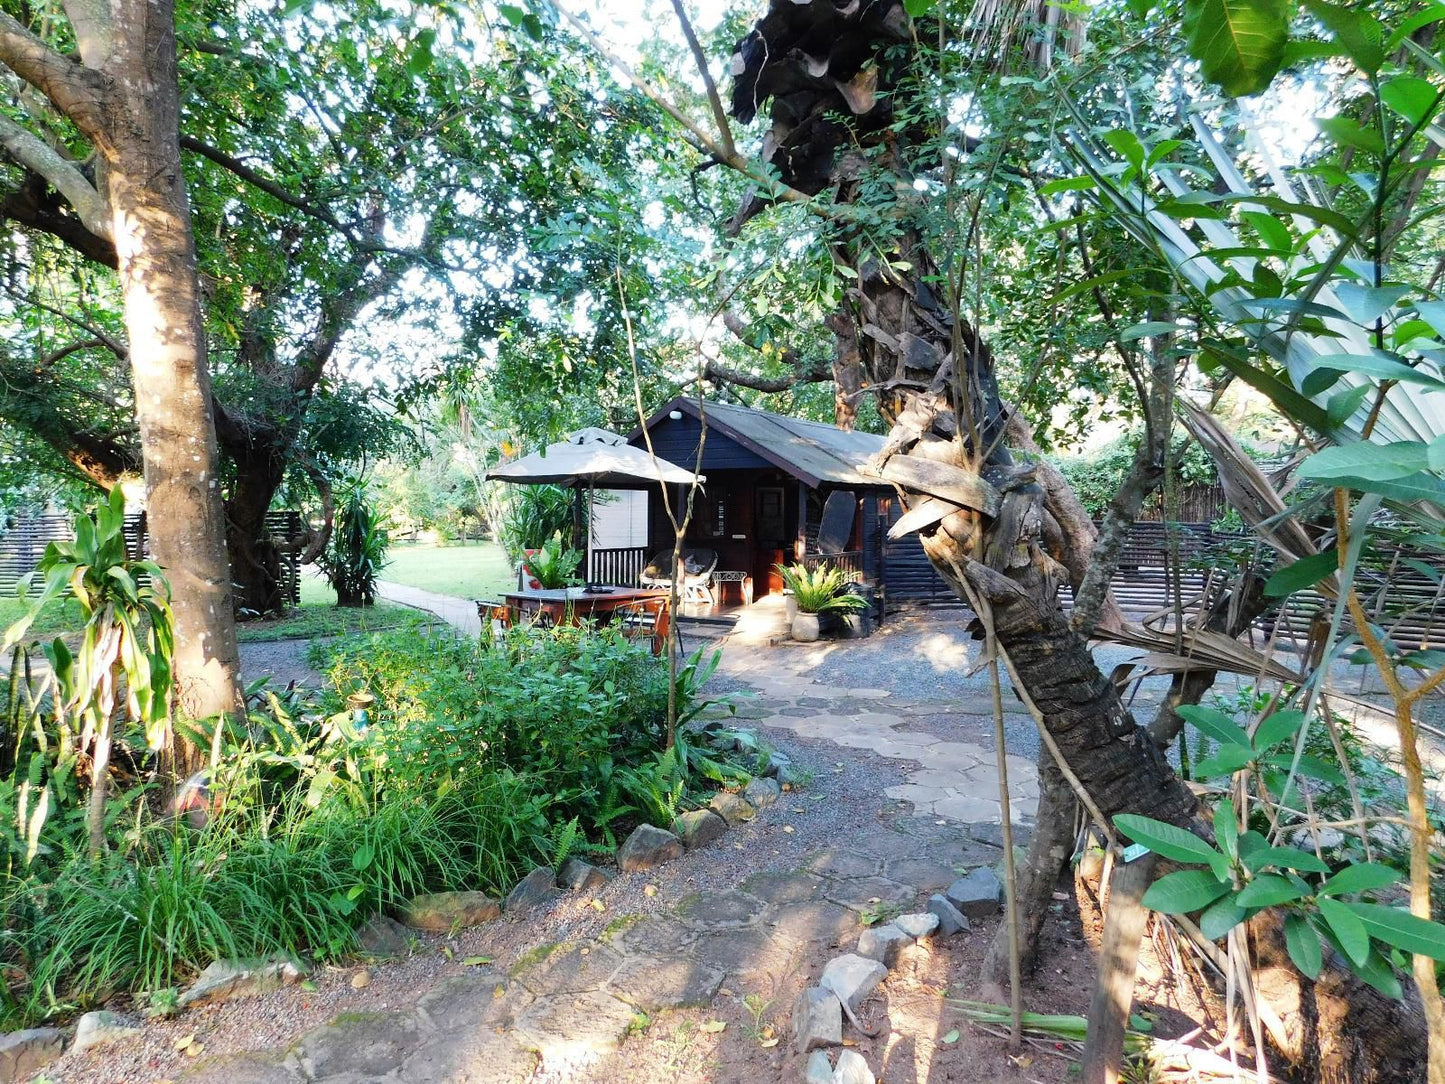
(593, 457)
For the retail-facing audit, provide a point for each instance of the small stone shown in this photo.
(852, 978)
(733, 808)
(820, 1069)
(817, 1020)
(531, 890)
(699, 828)
(977, 895)
(852, 1069)
(917, 926)
(883, 943)
(361, 980)
(950, 919)
(383, 935)
(442, 912)
(226, 979)
(580, 876)
(648, 846)
(762, 792)
(98, 1028)
(24, 1053)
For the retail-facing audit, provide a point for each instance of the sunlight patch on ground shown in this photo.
(946, 652)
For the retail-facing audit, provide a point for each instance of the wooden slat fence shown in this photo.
(22, 546)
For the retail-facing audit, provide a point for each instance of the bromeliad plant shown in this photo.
(821, 589)
(120, 673)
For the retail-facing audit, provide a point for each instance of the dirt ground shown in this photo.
(804, 876)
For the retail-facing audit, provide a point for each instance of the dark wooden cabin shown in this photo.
(769, 479)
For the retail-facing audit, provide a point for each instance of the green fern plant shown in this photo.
(820, 589)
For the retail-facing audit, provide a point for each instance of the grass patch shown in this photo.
(59, 617)
(312, 620)
(480, 570)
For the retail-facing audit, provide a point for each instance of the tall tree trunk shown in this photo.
(152, 227)
(255, 556)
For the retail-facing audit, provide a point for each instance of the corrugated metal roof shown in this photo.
(814, 452)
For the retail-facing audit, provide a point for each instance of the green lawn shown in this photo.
(480, 570)
(316, 616)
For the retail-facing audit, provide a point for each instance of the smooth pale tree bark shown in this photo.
(123, 96)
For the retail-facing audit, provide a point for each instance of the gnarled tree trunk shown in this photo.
(979, 513)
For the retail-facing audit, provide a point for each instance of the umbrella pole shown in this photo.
(591, 492)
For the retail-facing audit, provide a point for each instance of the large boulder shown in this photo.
(950, 919)
(762, 792)
(443, 912)
(883, 943)
(646, 847)
(733, 808)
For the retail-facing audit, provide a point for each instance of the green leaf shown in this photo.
(1148, 329)
(1221, 917)
(1376, 970)
(1067, 184)
(918, 8)
(1306, 572)
(1373, 462)
(1266, 890)
(1348, 929)
(1171, 841)
(1343, 404)
(1360, 877)
(1413, 98)
(1290, 401)
(1417, 487)
(1239, 43)
(1185, 891)
(1274, 233)
(1226, 828)
(1214, 723)
(1309, 767)
(1126, 144)
(1303, 945)
(1276, 728)
(1227, 760)
(1380, 366)
(1401, 929)
(1358, 32)
(1284, 858)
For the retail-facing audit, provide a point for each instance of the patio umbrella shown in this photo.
(592, 457)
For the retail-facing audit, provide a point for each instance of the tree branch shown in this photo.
(719, 114)
(35, 205)
(79, 92)
(34, 154)
(259, 180)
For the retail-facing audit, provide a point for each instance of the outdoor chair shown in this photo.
(697, 569)
(646, 618)
(496, 619)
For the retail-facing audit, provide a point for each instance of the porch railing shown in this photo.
(850, 561)
(618, 567)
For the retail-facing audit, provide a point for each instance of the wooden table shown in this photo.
(573, 604)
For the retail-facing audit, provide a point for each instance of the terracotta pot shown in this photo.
(805, 627)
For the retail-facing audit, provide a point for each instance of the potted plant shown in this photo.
(554, 565)
(818, 591)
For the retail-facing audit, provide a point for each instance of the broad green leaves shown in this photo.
(1239, 43)
(1245, 875)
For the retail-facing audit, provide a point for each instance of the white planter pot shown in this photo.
(805, 628)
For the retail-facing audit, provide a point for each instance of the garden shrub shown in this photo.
(474, 764)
